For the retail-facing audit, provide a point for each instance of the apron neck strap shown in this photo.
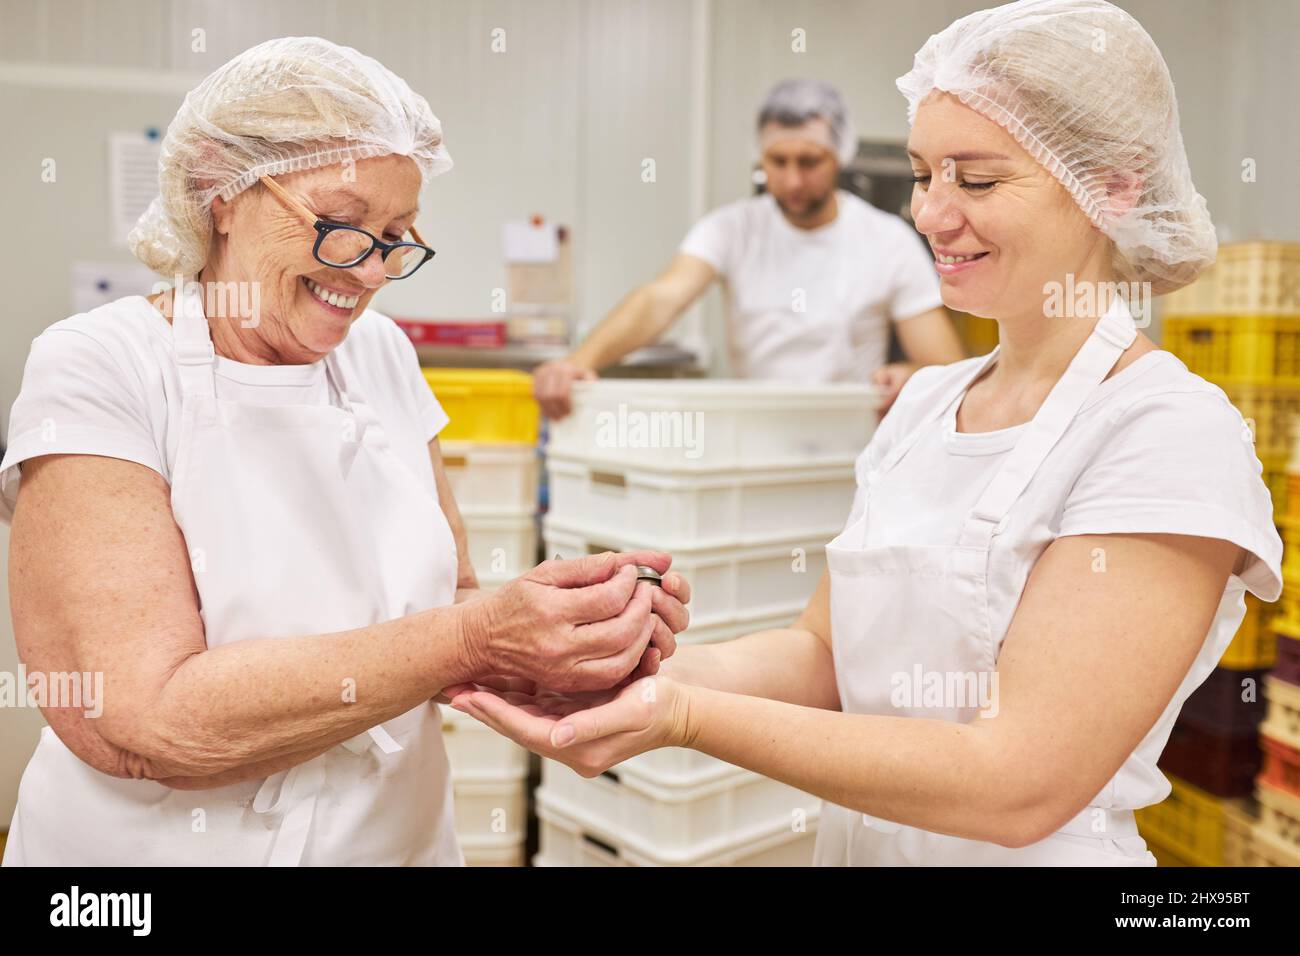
(192, 341)
(935, 412)
(196, 358)
(1110, 337)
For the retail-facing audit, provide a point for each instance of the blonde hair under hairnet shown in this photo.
(285, 105)
(1085, 91)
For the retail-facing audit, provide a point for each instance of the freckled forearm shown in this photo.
(259, 701)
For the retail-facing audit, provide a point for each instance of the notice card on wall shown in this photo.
(132, 180)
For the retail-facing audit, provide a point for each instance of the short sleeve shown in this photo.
(915, 282)
(1181, 463)
(75, 399)
(713, 240)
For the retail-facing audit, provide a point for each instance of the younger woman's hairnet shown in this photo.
(285, 105)
(1085, 91)
(795, 102)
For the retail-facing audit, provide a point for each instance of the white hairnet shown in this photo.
(795, 102)
(285, 105)
(1085, 91)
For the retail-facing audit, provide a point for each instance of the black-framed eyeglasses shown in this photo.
(341, 246)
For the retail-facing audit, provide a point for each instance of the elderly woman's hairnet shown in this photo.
(795, 102)
(285, 105)
(1085, 91)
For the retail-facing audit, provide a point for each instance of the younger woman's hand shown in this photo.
(589, 732)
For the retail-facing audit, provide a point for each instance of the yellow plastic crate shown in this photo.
(1188, 823)
(1258, 350)
(1288, 527)
(1290, 496)
(486, 405)
(1255, 643)
(979, 335)
(1166, 857)
(1276, 479)
(1271, 412)
(1249, 277)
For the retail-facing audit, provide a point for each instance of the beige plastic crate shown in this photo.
(491, 811)
(492, 478)
(1257, 278)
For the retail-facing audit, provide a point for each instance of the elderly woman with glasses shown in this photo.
(233, 512)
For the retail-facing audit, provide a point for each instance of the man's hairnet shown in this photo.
(795, 102)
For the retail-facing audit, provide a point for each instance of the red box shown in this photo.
(1217, 706)
(477, 335)
(1287, 667)
(1222, 764)
(1281, 765)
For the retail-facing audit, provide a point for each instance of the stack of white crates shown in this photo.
(495, 486)
(490, 777)
(743, 483)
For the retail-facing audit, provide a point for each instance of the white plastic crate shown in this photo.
(671, 822)
(491, 582)
(477, 752)
(702, 425)
(567, 840)
(492, 478)
(676, 766)
(697, 510)
(491, 811)
(493, 854)
(502, 545)
(726, 629)
(757, 581)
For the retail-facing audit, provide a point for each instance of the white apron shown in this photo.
(894, 608)
(299, 520)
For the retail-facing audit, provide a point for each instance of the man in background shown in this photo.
(813, 275)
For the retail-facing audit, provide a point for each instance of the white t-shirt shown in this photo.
(1152, 451)
(104, 383)
(814, 305)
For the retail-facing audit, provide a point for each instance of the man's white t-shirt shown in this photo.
(813, 305)
(1156, 449)
(105, 383)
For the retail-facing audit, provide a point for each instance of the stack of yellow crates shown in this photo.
(1239, 327)
(489, 451)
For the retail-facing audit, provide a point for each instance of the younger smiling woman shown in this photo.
(1072, 520)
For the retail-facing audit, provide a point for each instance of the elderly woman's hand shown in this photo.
(579, 625)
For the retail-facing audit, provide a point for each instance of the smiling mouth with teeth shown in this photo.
(347, 302)
(953, 260)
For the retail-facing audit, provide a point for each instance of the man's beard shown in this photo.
(813, 208)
